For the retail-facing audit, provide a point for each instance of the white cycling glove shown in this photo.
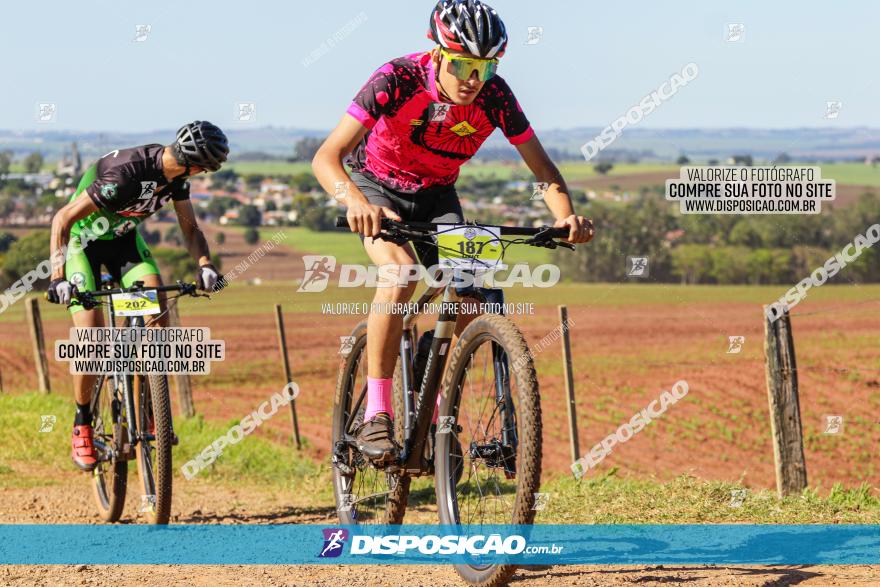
(208, 277)
(59, 292)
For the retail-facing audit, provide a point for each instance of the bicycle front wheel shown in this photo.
(364, 494)
(153, 409)
(110, 476)
(488, 456)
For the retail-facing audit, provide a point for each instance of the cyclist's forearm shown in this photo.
(559, 202)
(556, 194)
(58, 244)
(197, 245)
(62, 223)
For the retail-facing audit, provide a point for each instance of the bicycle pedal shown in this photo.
(174, 439)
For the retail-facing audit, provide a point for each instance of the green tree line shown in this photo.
(720, 249)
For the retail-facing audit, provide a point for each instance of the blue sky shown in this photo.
(595, 60)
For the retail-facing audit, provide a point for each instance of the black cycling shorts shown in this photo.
(127, 259)
(438, 204)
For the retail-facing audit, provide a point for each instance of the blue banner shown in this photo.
(764, 544)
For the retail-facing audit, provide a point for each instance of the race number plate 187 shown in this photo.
(469, 247)
(137, 303)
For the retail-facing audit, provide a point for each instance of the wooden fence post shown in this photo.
(569, 384)
(181, 380)
(35, 325)
(282, 344)
(785, 412)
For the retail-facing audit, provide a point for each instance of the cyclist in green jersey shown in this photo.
(98, 227)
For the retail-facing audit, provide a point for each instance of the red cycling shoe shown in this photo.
(83, 449)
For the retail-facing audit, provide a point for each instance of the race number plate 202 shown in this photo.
(469, 247)
(139, 303)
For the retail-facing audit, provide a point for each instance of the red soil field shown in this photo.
(624, 357)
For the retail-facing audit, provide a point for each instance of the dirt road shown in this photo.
(69, 502)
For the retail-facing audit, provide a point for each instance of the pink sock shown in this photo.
(378, 398)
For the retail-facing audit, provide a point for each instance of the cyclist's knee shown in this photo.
(88, 318)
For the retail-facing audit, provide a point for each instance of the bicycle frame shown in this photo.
(125, 383)
(419, 407)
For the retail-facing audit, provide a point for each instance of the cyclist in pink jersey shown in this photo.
(405, 136)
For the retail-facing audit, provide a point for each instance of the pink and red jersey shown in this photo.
(417, 141)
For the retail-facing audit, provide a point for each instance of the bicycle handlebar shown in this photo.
(88, 299)
(388, 224)
(185, 288)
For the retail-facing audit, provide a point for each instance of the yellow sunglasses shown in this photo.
(463, 67)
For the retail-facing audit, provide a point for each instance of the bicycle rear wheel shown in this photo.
(110, 477)
(364, 494)
(488, 456)
(153, 409)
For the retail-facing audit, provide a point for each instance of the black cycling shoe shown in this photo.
(375, 439)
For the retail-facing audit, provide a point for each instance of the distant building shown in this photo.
(70, 164)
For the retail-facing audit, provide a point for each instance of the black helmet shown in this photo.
(201, 144)
(469, 26)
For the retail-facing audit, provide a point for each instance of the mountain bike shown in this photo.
(131, 413)
(485, 449)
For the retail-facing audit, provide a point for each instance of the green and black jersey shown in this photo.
(128, 186)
